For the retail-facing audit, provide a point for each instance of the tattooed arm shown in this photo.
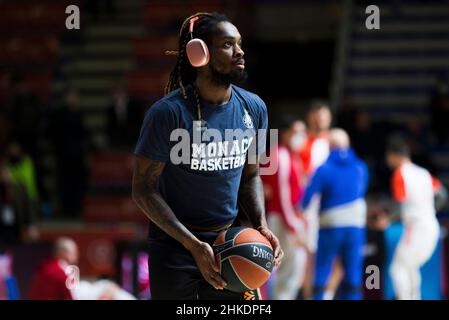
(149, 200)
(251, 202)
(251, 198)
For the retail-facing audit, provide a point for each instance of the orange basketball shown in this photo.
(245, 258)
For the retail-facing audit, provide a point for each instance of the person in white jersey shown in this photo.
(414, 189)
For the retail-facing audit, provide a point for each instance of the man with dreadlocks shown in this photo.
(190, 202)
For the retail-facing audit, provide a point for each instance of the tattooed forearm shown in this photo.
(251, 197)
(149, 200)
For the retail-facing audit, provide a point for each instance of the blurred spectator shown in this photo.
(25, 115)
(367, 143)
(439, 110)
(313, 153)
(375, 255)
(341, 184)
(417, 139)
(316, 149)
(9, 229)
(378, 218)
(70, 142)
(5, 126)
(364, 138)
(368, 140)
(5, 121)
(346, 115)
(50, 280)
(21, 174)
(5, 88)
(124, 118)
(101, 8)
(8, 284)
(283, 218)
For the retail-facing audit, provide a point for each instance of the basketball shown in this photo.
(245, 258)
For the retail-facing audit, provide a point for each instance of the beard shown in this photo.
(225, 79)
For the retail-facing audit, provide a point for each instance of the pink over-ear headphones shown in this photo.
(197, 51)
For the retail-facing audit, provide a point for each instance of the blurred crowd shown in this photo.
(57, 277)
(333, 184)
(45, 149)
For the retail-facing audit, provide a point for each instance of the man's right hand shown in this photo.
(205, 259)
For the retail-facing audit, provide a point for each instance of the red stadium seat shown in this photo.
(144, 84)
(164, 13)
(38, 83)
(112, 209)
(29, 50)
(152, 49)
(112, 169)
(44, 15)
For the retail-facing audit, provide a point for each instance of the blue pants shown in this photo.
(348, 243)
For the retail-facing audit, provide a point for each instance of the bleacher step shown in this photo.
(113, 31)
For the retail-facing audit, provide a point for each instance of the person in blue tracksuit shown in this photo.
(341, 184)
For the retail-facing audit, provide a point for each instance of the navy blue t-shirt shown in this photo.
(203, 164)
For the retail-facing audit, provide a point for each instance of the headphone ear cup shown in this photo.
(197, 53)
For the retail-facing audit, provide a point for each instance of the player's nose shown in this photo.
(238, 51)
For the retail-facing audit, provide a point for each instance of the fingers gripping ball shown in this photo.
(245, 258)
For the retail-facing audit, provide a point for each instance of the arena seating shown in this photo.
(391, 72)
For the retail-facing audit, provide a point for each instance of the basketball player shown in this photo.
(189, 204)
(285, 191)
(341, 183)
(313, 153)
(316, 148)
(413, 188)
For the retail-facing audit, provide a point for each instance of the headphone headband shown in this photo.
(192, 22)
(192, 19)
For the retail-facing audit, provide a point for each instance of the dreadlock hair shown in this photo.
(183, 72)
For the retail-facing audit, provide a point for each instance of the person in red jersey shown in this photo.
(283, 191)
(313, 154)
(50, 281)
(315, 150)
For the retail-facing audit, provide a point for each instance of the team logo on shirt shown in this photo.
(247, 121)
(211, 151)
(220, 155)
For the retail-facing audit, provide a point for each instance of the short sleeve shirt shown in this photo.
(203, 163)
